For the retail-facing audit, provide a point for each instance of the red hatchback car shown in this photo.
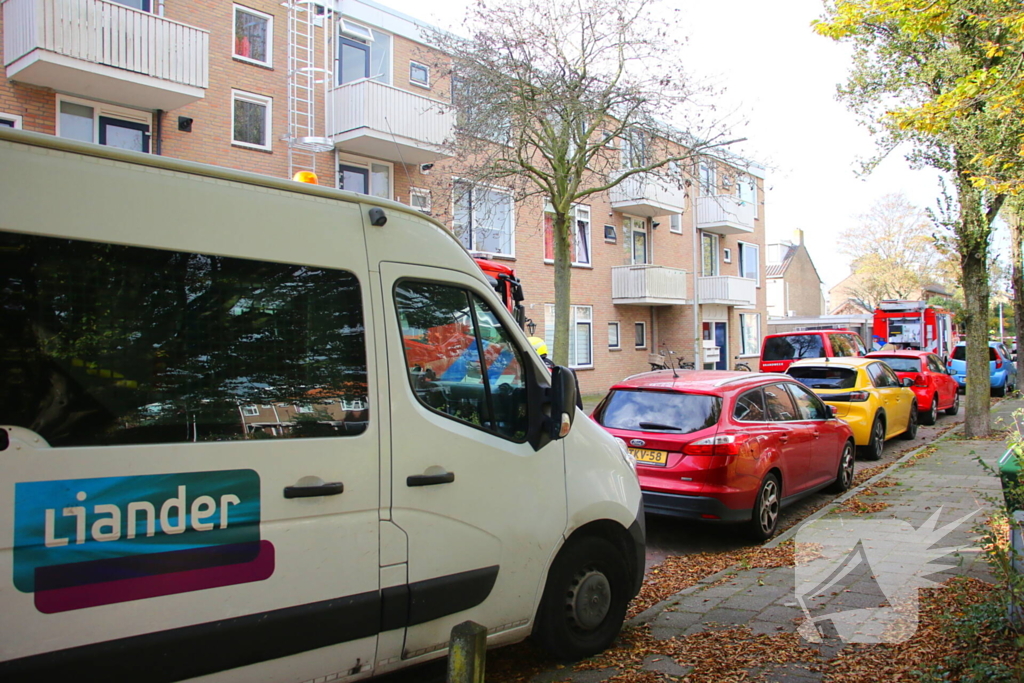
(934, 387)
(727, 446)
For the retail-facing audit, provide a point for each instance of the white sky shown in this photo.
(781, 77)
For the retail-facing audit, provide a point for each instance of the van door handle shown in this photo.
(430, 479)
(329, 489)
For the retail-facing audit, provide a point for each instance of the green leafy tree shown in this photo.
(909, 57)
(560, 100)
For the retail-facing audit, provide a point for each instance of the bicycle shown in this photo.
(657, 362)
(742, 367)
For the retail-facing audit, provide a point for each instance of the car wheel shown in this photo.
(955, 408)
(873, 451)
(932, 416)
(584, 601)
(999, 391)
(911, 425)
(844, 476)
(765, 517)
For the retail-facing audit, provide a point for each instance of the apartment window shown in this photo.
(580, 334)
(419, 199)
(750, 261)
(636, 229)
(251, 120)
(483, 218)
(579, 245)
(613, 336)
(254, 33)
(750, 334)
(304, 409)
(747, 191)
(726, 255)
(419, 74)
(675, 223)
(250, 411)
(143, 5)
(363, 52)
(106, 124)
(609, 233)
(10, 120)
(707, 179)
(634, 148)
(709, 254)
(365, 177)
(641, 335)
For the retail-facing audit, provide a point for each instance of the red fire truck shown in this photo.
(914, 325)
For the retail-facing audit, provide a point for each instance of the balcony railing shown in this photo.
(725, 214)
(727, 289)
(647, 195)
(386, 122)
(648, 285)
(105, 50)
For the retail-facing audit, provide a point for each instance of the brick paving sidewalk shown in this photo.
(947, 481)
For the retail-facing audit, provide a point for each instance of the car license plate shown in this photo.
(649, 457)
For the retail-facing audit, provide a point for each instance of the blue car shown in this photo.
(1002, 371)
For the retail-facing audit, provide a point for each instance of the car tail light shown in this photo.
(723, 444)
(853, 396)
(919, 381)
(999, 362)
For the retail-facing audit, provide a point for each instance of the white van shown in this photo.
(251, 431)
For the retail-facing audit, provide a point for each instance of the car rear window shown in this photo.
(825, 378)
(794, 346)
(960, 353)
(671, 411)
(901, 364)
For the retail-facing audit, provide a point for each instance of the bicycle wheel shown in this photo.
(743, 367)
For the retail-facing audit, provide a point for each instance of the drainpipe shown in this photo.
(698, 361)
(158, 132)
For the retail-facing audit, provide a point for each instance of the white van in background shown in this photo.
(255, 430)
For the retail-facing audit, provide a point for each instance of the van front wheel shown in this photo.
(584, 601)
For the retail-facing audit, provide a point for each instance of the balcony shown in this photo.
(728, 290)
(648, 285)
(105, 51)
(725, 214)
(647, 195)
(378, 120)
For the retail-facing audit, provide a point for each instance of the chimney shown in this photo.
(798, 237)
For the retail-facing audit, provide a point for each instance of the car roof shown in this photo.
(901, 353)
(843, 362)
(698, 381)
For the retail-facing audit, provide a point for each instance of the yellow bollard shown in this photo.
(467, 653)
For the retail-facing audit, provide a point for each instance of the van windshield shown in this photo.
(825, 377)
(793, 346)
(672, 411)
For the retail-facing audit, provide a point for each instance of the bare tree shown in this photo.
(894, 253)
(564, 99)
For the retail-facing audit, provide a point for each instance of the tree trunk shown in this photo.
(1016, 221)
(972, 241)
(563, 292)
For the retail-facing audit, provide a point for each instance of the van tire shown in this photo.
(585, 599)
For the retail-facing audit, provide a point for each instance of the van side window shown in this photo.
(841, 346)
(105, 344)
(460, 359)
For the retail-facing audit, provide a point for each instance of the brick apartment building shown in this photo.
(253, 86)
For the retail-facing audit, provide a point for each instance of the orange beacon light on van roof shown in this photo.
(306, 177)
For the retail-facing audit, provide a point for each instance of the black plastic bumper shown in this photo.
(692, 507)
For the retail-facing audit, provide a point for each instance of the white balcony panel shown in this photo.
(648, 196)
(728, 290)
(725, 214)
(105, 51)
(648, 285)
(384, 122)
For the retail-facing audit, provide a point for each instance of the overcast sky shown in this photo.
(781, 77)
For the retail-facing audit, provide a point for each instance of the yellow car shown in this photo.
(866, 394)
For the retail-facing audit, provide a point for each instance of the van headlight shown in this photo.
(630, 460)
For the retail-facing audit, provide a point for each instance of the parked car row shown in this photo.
(737, 447)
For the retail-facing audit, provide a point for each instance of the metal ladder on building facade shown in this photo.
(305, 138)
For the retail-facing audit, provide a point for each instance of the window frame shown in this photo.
(268, 118)
(750, 182)
(362, 163)
(104, 110)
(269, 19)
(574, 323)
(421, 193)
(14, 119)
(756, 248)
(640, 333)
(764, 409)
(413, 65)
(472, 214)
(716, 257)
(756, 351)
(675, 223)
(633, 222)
(577, 211)
(614, 325)
(707, 179)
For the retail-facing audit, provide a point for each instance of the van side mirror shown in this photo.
(563, 401)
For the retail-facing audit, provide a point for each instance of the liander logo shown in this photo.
(86, 542)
